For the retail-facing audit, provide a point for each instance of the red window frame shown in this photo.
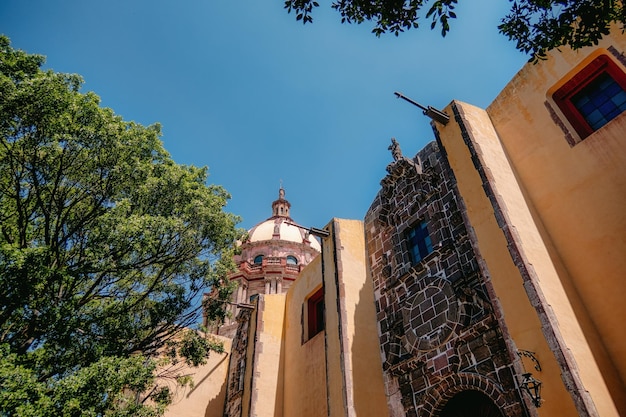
(315, 313)
(562, 97)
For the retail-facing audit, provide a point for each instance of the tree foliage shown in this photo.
(106, 246)
(535, 25)
(539, 26)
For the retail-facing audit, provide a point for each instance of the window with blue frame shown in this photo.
(593, 96)
(419, 242)
(600, 101)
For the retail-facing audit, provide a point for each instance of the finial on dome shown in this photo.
(281, 191)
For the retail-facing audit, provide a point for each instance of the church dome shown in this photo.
(270, 258)
(281, 226)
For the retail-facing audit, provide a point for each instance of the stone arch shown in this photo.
(470, 403)
(437, 397)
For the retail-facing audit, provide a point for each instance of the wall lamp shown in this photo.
(531, 385)
(433, 113)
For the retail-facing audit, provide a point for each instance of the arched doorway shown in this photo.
(470, 404)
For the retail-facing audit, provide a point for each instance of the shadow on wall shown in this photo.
(369, 396)
(206, 398)
(278, 401)
(215, 406)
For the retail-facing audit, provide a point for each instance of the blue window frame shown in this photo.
(419, 242)
(600, 101)
(593, 96)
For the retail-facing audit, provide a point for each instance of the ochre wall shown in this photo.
(206, 398)
(520, 316)
(337, 396)
(304, 362)
(337, 372)
(267, 385)
(359, 345)
(579, 194)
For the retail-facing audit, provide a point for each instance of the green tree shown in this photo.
(535, 25)
(106, 246)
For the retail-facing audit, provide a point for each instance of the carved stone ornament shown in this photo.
(431, 316)
(396, 152)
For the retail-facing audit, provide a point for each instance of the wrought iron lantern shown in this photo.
(533, 387)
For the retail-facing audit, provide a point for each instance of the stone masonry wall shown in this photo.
(438, 333)
(233, 406)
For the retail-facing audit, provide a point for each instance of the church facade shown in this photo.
(442, 346)
(486, 278)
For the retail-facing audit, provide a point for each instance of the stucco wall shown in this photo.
(338, 371)
(206, 398)
(579, 193)
(304, 362)
(533, 289)
(361, 370)
(267, 384)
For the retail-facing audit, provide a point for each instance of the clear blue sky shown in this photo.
(241, 87)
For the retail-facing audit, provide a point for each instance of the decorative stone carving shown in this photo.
(431, 316)
(396, 152)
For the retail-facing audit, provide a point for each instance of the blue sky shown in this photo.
(241, 87)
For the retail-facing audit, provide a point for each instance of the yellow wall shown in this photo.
(356, 340)
(267, 387)
(304, 363)
(337, 372)
(520, 316)
(579, 194)
(206, 398)
(566, 205)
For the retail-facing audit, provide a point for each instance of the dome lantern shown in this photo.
(280, 207)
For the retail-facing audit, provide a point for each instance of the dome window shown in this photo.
(258, 259)
(292, 260)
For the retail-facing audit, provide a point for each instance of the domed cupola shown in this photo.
(282, 227)
(271, 257)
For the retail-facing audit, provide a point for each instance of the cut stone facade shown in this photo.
(234, 403)
(439, 335)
